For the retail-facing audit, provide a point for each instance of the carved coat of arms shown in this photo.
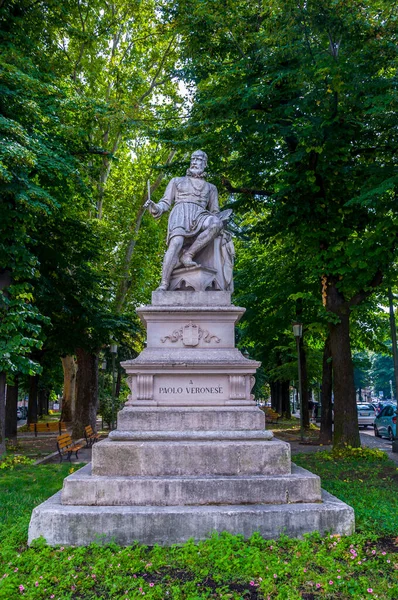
(190, 335)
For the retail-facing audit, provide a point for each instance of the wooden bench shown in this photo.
(91, 436)
(48, 427)
(271, 416)
(66, 446)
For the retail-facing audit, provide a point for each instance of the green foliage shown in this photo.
(105, 408)
(298, 119)
(10, 462)
(348, 453)
(294, 107)
(39, 174)
(78, 88)
(382, 373)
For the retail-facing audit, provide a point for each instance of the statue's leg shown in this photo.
(170, 260)
(211, 228)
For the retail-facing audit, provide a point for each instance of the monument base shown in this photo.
(190, 454)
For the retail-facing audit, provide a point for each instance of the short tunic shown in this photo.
(194, 200)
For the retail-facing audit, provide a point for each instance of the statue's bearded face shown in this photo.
(198, 163)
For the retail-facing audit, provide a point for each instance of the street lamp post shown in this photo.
(298, 332)
(395, 360)
(113, 350)
(102, 387)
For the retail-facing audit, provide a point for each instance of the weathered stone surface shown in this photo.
(190, 358)
(196, 228)
(82, 488)
(189, 326)
(190, 454)
(183, 298)
(190, 377)
(209, 361)
(133, 418)
(191, 436)
(191, 458)
(81, 525)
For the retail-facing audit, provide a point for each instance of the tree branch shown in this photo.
(363, 294)
(243, 190)
(153, 82)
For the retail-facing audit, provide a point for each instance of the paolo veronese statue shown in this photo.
(196, 229)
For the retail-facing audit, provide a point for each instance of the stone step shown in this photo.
(190, 418)
(81, 525)
(187, 435)
(173, 458)
(82, 488)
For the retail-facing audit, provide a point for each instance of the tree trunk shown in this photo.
(304, 385)
(274, 394)
(32, 402)
(346, 430)
(279, 397)
(42, 397)
(11, 410)
(86, 392)
(2, 413)
(123, 273)
(69, 394)
(285, 398)
(326, 435)
(118, 383)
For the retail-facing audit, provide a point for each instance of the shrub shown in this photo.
(10, 462)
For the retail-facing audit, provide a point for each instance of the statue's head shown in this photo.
(198, 163)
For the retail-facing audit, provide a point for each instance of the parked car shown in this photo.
(385, 424)
(380, 405)
(366, 415)
(368, 404)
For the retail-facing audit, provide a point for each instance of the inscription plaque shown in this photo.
(186, 390)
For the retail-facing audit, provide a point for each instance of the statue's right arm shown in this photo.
(165, 203)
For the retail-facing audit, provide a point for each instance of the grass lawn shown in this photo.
(364, 565)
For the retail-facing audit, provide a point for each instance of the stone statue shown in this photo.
(194, 222)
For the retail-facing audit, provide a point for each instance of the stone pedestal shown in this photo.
(190, 453)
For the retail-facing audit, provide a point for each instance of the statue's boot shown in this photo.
(186, 260)
(201, 241)
(168, 268)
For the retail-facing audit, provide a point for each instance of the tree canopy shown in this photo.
(294, 102)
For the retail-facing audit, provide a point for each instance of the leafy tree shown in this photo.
(37, 171)
(382, 373)
(299, 116)
(81, 83)
(270, 283)
(362, 375)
